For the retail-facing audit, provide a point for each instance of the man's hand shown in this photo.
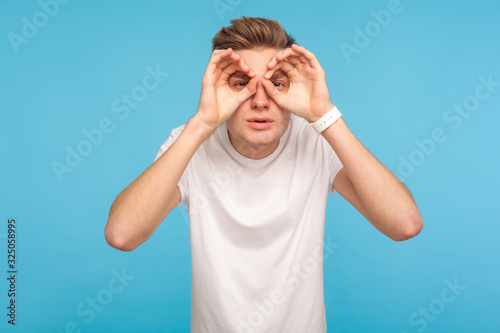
(307, 96)
(218, 99)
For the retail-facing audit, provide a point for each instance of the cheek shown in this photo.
(285, 116)
(234, 117)
(236, 123)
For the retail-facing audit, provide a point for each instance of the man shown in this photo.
(255, 176)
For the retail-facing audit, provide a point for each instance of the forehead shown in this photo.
(258, 58)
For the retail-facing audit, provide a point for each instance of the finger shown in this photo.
(224, 63)
(293, 55)
(307, 54)
(215, 59)
(273, 62)
(295, 60)
(304, 60)
(248, 91)
(288, 55)
(286, 66)
(222, 59)
(234, 59)
(230, 69)
(274, 93)
(214, 52)
(246, 68)
(251, 86)
(217, 55)
(302, 53)
(269, 86)
(228, 58)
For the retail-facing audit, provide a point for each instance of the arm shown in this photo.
(141, 206)
(370, 187)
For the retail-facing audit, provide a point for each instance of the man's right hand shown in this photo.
(219, 99)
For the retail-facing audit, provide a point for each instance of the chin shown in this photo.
(262, 138)
(256, 137)
(246, 135)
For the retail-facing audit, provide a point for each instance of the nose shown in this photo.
(260, 100)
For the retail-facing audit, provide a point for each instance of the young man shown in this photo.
(255, 176)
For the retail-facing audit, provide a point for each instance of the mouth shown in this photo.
(260, 122)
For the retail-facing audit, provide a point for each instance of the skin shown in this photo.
(236, 87)
(250, 142)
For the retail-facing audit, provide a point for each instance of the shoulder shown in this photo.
(303, 136)
(177, 131)
(174, 134)
(301, 129)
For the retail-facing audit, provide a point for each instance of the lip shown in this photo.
(260, 122)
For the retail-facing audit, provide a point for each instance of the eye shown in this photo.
(240, 84)
(279, 84)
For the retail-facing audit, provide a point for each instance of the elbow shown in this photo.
(119, 240)
(410, 228)
(116, 234)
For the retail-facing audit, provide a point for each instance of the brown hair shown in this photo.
(248, 33)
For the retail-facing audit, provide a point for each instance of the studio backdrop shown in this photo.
(90, 90)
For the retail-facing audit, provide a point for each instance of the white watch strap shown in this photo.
(328, 119)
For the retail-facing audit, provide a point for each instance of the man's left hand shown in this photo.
(307, 95)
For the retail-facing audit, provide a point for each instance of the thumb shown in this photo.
(248, 91)
(271, 90)
(251, 86)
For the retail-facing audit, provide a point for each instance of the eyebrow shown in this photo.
(278, 74)
(239, 75)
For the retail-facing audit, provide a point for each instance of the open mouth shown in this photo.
(260, 120)
(260, 123)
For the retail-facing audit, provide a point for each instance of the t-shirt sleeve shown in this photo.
(335, 166)
(183, 183)
(328, 154)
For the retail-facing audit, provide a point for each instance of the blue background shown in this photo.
(393, 93)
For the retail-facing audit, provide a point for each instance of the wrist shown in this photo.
(324, 110)
(201, 127)
(328, 119)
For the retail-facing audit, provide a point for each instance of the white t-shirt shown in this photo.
(257, 231)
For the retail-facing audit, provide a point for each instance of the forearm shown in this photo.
(141, 206)
(387, 200)
(370, 187)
